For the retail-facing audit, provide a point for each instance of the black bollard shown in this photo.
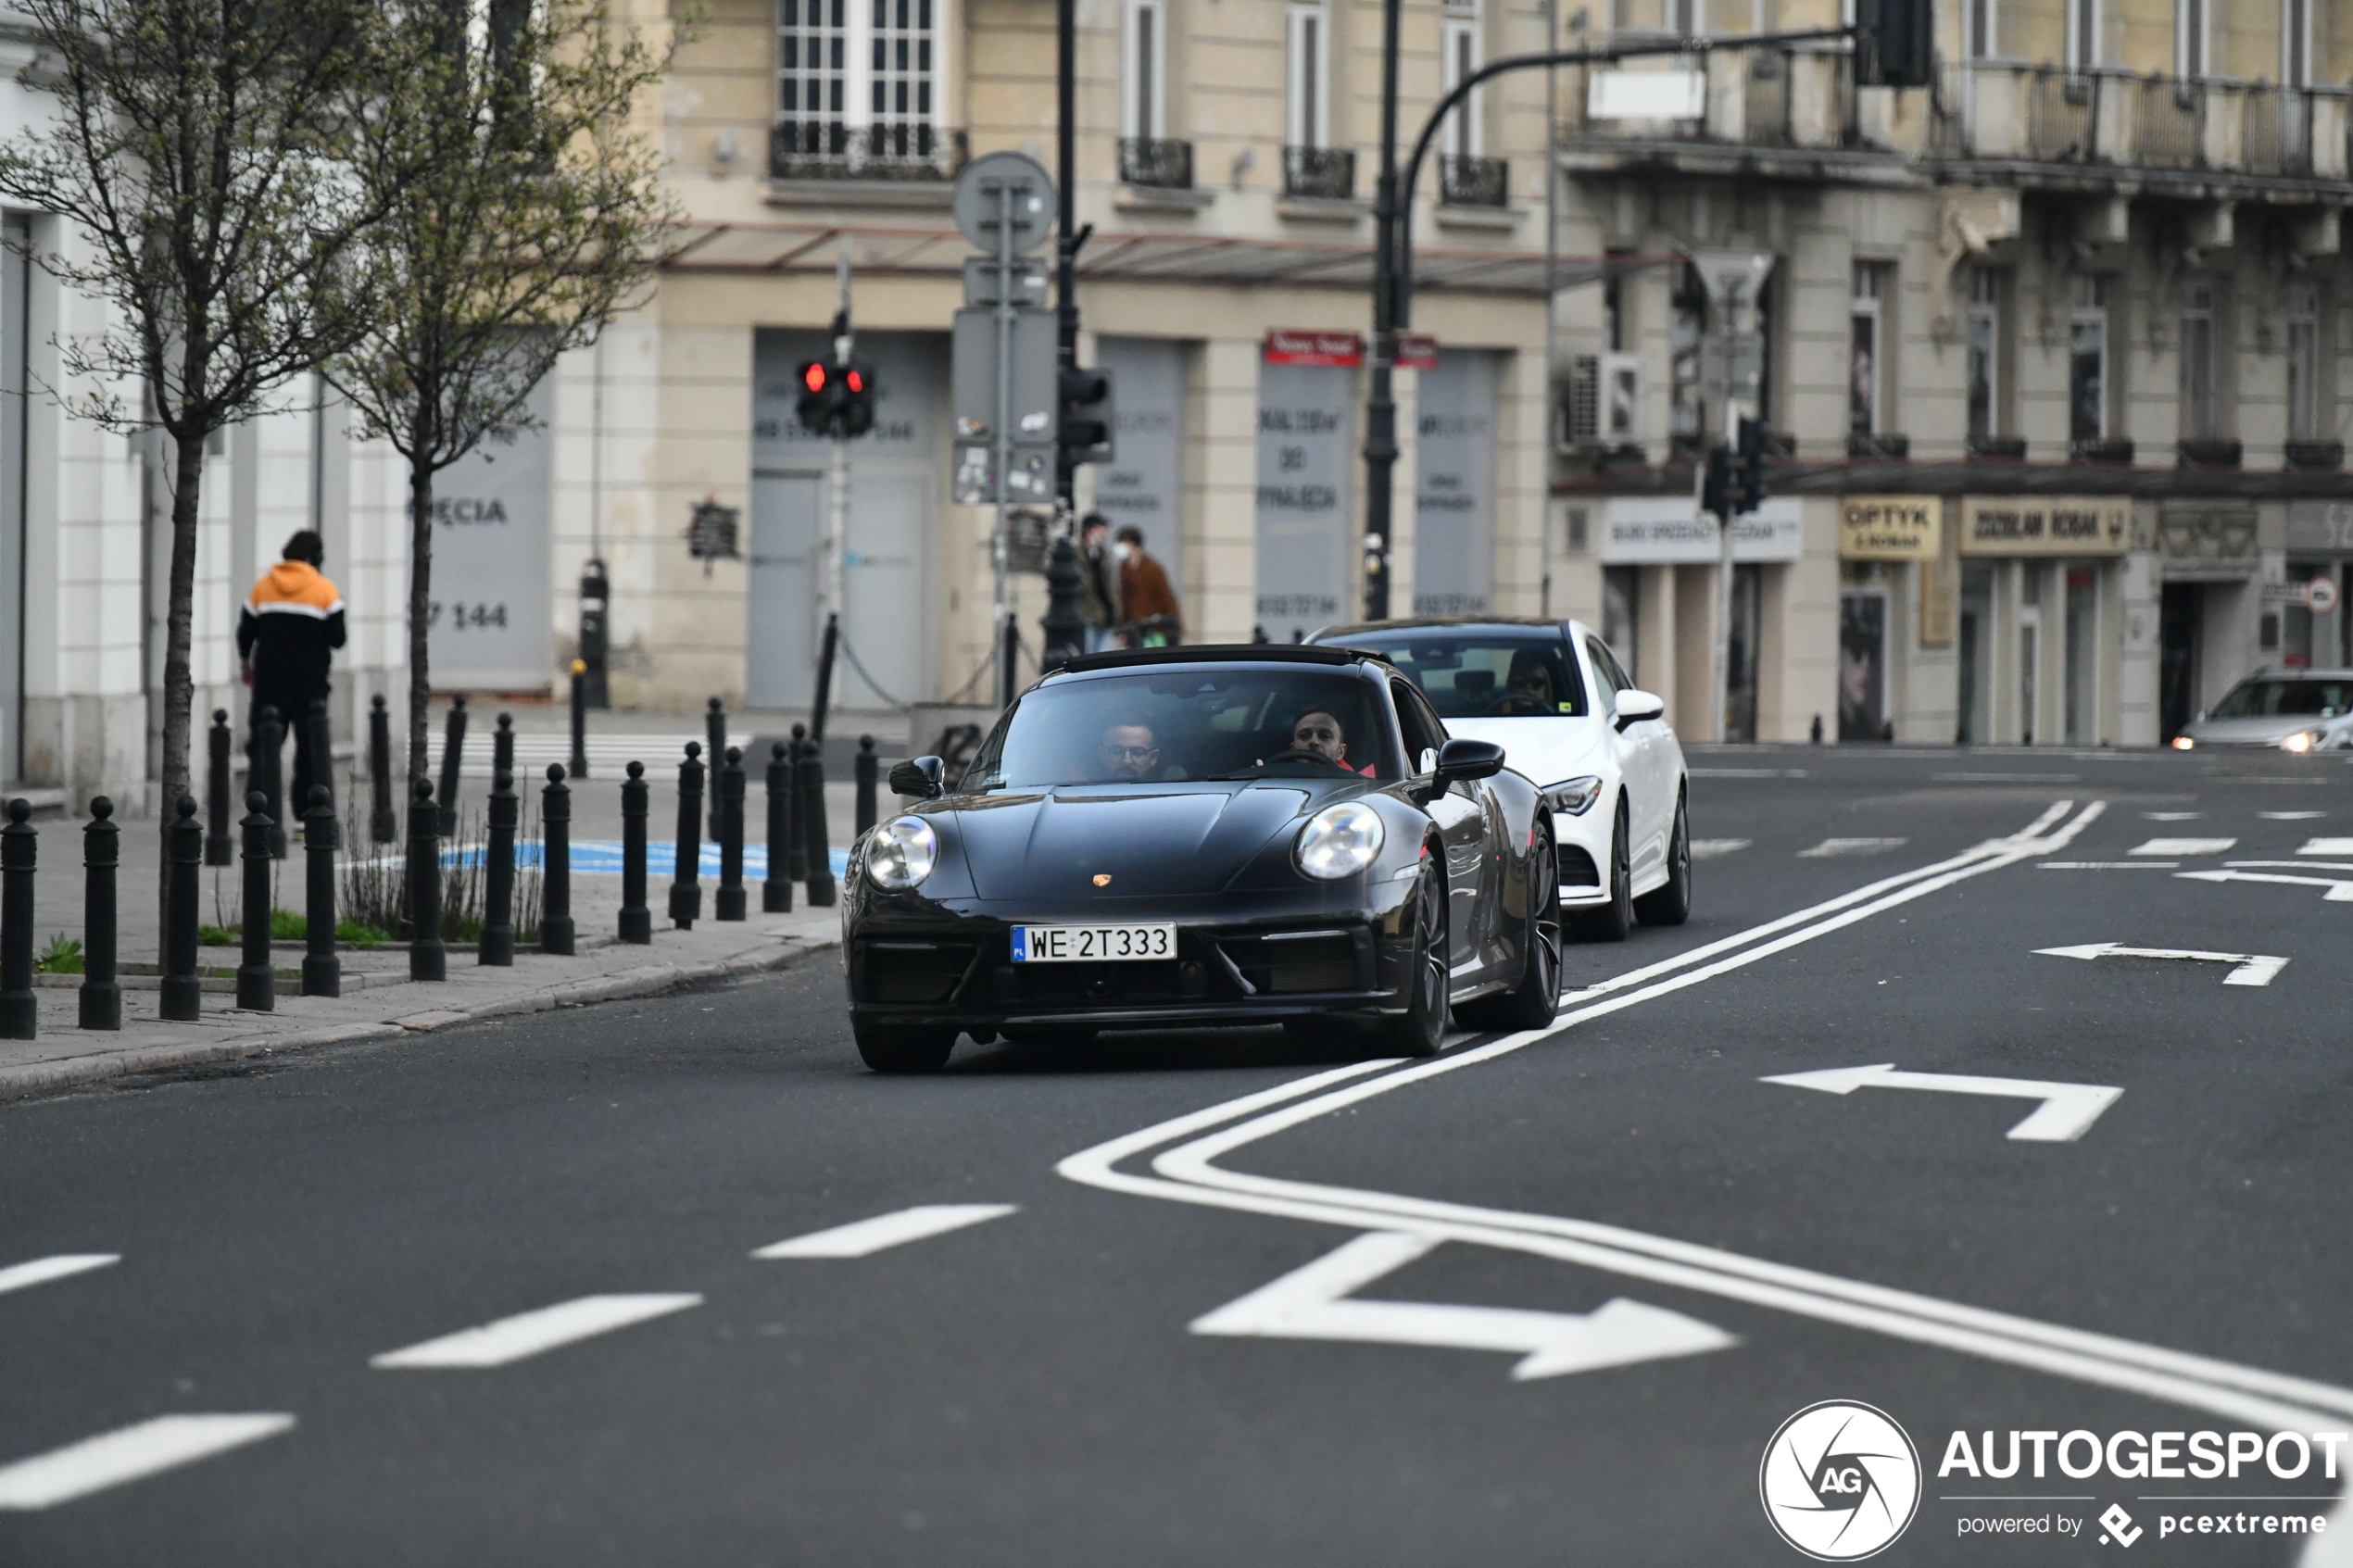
(453, 747)
(383, 823)
(428, 955)
(636, 920)
(220, 846)
(776, 888)
(322, 734)
(321, 971)
(268, 772)
(257, 981)
(555, 865)
(579, 718)
(812, 827)
(731, 837)
(686, 877)
(497, 945)
(182, 991)
(869, 772)
(797, 841)
(101, 853)
(20, 1009)
(502, 749)
(715, 746)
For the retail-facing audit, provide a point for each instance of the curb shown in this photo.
(651, 980)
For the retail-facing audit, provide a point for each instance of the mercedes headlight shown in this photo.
(1339, 841)
(1575, 796)
(2303, 740)
(2184, 742)
(901, 853)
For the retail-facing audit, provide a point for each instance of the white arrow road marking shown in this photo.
(1310, 1303)
(527, 1334)
(2177, 847)
(2327, 847)
(2339, 892)
(2290, 816)
(2066, 1112)
(2254, 969)
(113, 1458)
(865, 1237)
(41, 1271)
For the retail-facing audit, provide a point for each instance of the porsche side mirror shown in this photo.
(923, 777)
(1633, 707)
(1464, 758)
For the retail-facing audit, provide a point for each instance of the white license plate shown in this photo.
(1092, 944)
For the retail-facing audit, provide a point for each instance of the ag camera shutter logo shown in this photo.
(1840, 1481)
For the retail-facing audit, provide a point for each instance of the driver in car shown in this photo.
(1531, 677)
(1320, 732)
(1127, 754)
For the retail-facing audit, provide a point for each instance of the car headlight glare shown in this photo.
(2303, 740)
(901, 853)
(1339, 841)
(1575, 796)
(2184, 742)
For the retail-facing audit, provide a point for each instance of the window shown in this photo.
(856, 77)
(2304, 360)
(1684, 19)
(1984, 352)
(2296, 43)
(2083, 34)
(1866, 391)
(1982, 18)
(1144, 111)
(2189, 37)
(1459, 40)
(2087, 362)
(2201, 402)
(1309, 110)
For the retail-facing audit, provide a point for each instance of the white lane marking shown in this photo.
(2296, 865)
(1745, 773)
(2339, 892)
(2066, 1112)
(1310, 1303)
(2290, 816)
(41, 1271)
(865, 1237)
(2177, 847)
(2106, 865)
(2171, 816)
(128, 1454)
(528, 1334)
(2254, 969)
(2005, 778)
(1832, 848)
(2327, 847)
(1709, 848)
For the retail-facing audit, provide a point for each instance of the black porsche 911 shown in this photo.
(1205, 836)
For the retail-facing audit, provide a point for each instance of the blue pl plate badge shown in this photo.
(1020, 944)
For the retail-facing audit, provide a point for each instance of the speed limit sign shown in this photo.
(2320, 595)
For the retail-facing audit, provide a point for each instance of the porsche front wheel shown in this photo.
(903, 1050)
(1420, 1030)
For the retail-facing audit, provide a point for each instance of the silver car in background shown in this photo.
(2291, 710)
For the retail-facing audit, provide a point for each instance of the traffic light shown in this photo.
(1085, 428)
(835, 400)
(1895, 42)
(1716, 491)
(1748, 478)
(857, 381)
(814, 408)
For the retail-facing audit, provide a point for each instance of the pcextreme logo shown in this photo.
(1840, 1481)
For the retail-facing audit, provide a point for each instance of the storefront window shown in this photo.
(1975, 635)
(1862, 664)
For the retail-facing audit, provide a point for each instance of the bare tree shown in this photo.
(523, 211)
(196, 160)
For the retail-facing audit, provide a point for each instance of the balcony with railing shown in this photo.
(2012, 112)
(1319, 173)
(829, 149)
(1474, 182)
(1156, 163)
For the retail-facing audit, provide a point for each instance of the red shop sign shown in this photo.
(1286, 347)
(1416, 352)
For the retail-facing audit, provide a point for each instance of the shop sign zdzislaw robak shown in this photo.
(1890, 528)
(2046, 525)
(1672, 531)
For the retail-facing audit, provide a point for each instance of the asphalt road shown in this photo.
(1676, 1255)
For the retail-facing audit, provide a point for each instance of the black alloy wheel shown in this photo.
(1671, 904)
(903, 1050)
(1420, 1030)
(1614, 919)
(1536, 999)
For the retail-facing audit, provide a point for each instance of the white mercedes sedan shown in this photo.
(1552, 695)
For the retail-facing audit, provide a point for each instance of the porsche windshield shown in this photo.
(1180, 722)
(1484, 671)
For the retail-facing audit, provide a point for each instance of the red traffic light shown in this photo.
(813, 375)
(857, 380)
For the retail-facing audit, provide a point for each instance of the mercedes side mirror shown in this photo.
(1633, 707)
(1464, 758)
(922, 777)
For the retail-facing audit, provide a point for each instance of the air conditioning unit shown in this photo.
(1622, 391)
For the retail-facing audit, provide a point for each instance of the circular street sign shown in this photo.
(2320, 595)
(981, 190)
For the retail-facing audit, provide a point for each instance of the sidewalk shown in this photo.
(379, 1001)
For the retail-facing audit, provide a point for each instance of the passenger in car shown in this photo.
(1320, 732)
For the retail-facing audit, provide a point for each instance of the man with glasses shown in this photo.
(1127, 754)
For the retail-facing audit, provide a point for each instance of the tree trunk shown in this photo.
(419, 619)
(178, 684)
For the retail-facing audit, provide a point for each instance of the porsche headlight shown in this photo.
(2303, 740)
(1575, 796)
(1339, 841)
(901, 853)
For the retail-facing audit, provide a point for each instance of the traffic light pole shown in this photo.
(837, 512)
(1000, 625)
(1062, 633)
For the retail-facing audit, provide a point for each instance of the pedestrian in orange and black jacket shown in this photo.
(291, 627)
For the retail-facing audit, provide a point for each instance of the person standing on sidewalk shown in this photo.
(1144, 592)
(1098, 582)
(292, 624)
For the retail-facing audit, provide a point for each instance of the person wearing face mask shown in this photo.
(1144, 593)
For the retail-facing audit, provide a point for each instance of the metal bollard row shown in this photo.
(19, 1013)
(731, 837)
(322, 970)
(775, 889)
(428, 955)
(555, 864)
(384, 822)
(220, 847)
(257, 980)
(636, 920)
(498, 944)
(685, 879)
(101, 999)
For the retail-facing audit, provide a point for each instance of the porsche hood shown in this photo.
(1149, 839)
